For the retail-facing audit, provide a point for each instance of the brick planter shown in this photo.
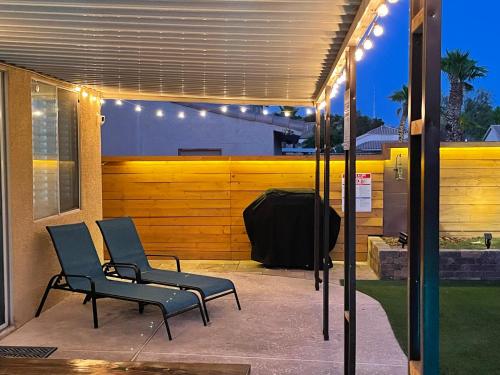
(390, 263)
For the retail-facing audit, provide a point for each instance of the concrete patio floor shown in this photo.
(277, 332)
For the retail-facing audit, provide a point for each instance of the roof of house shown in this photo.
(493, 133)
(383, 130)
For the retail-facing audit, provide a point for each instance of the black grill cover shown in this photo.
(280, 226)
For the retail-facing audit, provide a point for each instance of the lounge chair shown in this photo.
(82, 273)
(124, 245)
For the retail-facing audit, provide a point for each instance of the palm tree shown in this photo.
(401, 97)
(461, 70)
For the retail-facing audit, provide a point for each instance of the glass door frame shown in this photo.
(4, 245)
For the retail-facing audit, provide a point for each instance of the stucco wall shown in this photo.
(127, 132)
(32, 257)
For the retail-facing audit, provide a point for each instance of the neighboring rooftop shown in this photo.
(373, 140)
(492, 134)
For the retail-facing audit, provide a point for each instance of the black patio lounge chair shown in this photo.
(82, 273)
(124, 245)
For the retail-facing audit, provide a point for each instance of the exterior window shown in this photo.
(56, 175)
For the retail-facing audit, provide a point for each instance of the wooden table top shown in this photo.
(17, 366)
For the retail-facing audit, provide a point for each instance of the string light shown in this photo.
(383, 10)
(368, 44)
(85, 94)
(93, 98)
(203, 113)
(393, 1)
(287, 113)
(358, 55)
(223, 109)
(37, 113)
(378, 30)
(181, 115)
(243, 109)
(265, 111)
(138, 108)
(159, 113)
(118, 102)
(102, 101)
(78, 89)
(309, 111)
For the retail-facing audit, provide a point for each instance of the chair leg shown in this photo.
(94, 311)
(204, 304)
(237, 299)
(141, 307)
(167, 327)
(202, 314)
(45, 294)
(86, 299)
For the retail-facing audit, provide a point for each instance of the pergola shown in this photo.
(290, 52)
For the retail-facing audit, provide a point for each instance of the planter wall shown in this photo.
(391, 263)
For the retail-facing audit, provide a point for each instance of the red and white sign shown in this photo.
(363, 192)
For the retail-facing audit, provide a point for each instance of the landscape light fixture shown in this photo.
(488, 237)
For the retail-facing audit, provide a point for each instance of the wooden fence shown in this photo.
(192, 206)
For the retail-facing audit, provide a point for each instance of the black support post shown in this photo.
(326, 217)
(350, 215)
(317, 198)
(423, 185)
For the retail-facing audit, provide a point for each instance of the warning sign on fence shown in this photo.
(363, 192)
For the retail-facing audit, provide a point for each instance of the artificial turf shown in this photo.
(469, 322)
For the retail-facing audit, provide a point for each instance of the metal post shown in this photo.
(350, 215)
(317, 198)
(423, 197)
(326, 217)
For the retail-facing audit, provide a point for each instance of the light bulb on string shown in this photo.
(393, 1)
(368, 44)
(159, 113)
(223, 109)
(383, 10)
(138, 108)
(265, 111)
(118, 102)
(85, 94)
(203, 113)
(181, 115)
(243, 109)
(102, 101)
(378, 30)
(358, 55)
(309, 111)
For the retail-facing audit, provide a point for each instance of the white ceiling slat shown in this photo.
(243, 50)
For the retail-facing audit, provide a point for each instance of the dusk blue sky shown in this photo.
(468, 26)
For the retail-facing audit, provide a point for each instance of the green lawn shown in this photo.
(469, 320)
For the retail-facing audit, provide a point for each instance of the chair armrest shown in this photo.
(137, 271)
(92, 284)
(177, 261)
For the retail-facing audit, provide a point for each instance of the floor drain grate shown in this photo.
(26, 351)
